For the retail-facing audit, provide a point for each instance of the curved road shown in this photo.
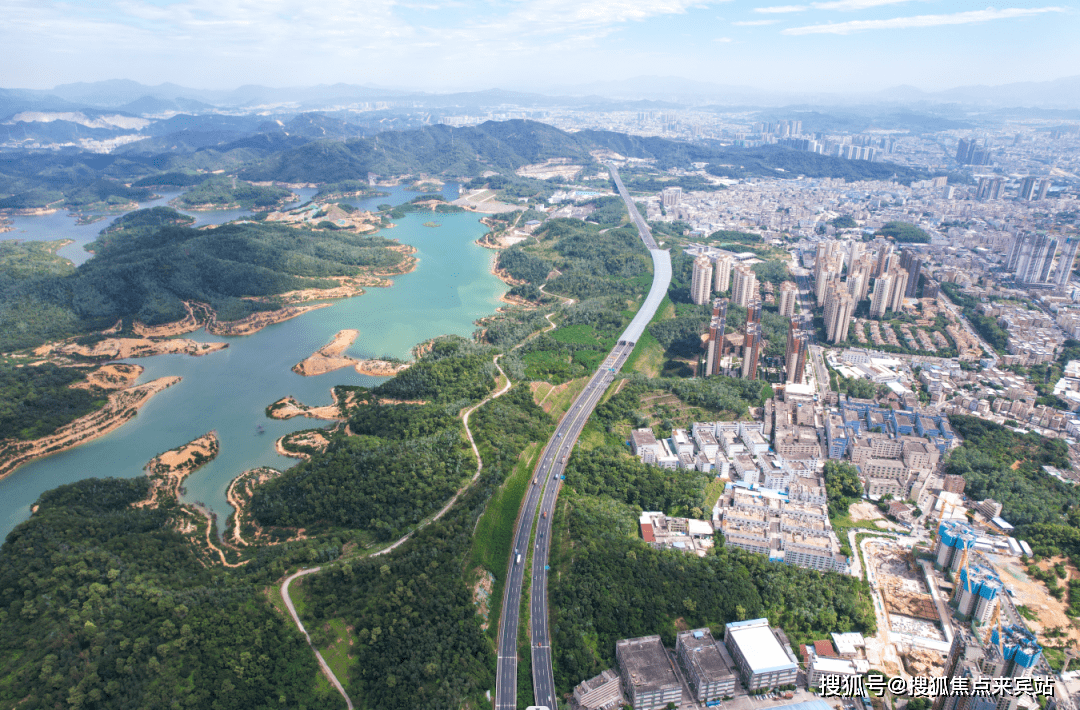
(544, 491)
(479, 467)
(300, 625)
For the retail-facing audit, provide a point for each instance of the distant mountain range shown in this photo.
(638, 93)
(1061, 93)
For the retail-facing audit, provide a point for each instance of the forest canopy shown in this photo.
(147, 264)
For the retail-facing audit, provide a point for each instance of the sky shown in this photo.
(453, 45)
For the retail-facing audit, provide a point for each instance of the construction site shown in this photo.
(910, 638)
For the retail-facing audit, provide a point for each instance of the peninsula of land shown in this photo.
(123, 404)
(331, 357)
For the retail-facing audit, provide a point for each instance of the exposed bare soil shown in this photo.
(122, 405)
(329, 357)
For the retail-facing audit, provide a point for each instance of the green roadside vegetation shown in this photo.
(606, 270)
(647, 356)
(331, 636)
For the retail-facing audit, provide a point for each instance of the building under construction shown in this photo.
(717, 327)
(800, 331)
(752, 343)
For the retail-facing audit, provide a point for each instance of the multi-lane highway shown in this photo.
(539, 505)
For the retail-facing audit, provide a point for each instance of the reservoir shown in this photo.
(229, 390)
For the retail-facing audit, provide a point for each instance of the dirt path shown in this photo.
(479, 462)
(479, 467)
(300, 625)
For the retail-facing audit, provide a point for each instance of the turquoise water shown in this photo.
(61, 225)
(228, 391)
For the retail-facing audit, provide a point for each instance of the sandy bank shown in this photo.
(380, 368)
(121, 348)
(114, 376)
(503, 276)
(257, 321)
(122, 406)
(288, 407)
(239, 494)
(483, 201)
(197, 314)
(313, 439)
(329, 357)
(168, 470)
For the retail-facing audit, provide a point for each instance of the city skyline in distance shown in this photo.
(838, 46)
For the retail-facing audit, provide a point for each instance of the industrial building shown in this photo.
(647, 676)
(792, 531)
(604, 692)
(761, 654)
(706, 666)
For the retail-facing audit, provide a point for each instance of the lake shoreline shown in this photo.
(123, 405)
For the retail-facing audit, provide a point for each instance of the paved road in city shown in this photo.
(806, 297)
(539, 505)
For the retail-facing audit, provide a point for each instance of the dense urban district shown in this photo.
(840, 459)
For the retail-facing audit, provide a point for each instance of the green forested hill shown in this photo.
(224, 191)
(36, 401)
(438, 150)
(997, 462)
(103, 606)
(144, 269)
(406, 460)
(20, 260)
(31, 179)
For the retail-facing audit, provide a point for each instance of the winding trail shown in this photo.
(479, 467)
(300, 625)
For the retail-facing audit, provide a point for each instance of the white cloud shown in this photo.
(754, 23)
(959, 18)
(722, 39)
(854, 4)
(781, 8)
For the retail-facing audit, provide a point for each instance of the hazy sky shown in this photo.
(444, 45)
